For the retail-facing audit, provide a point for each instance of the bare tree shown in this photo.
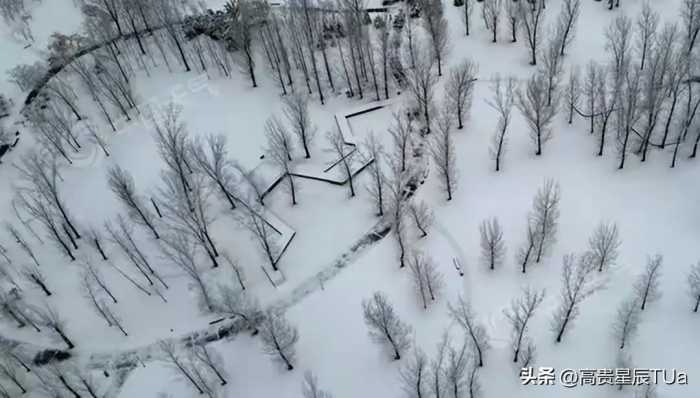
(49, 317)
(33, 274)
(519, 314)
(502, 102)
(628, 112)
(401, 134)
(338, 147)
(539, 114)
(531, 16)
(577, 285)
(296, 109)
(7, 273)
(647, 24)
(647, 285)
(573, 92)
(190, 214)
(617, 36)
(181, 250)
(236, 268)
(310, 388)
(121, 183)
(248, 177)
(248, 13)
(414, 375)
(19, 239)
(172, 358)
(422, 216)
(385, 53)
(464, 315)
(552, 69)
(653, 94)
(527, 354)
(473, 384)
(545, 217)
(435, 25)
(97, 137)
(513, 15)
(421, 85)
(467, 14)
(384, 325)
(26, 76)
(279, 337)
(210, 157)
(10, 305)
(93, 273)
(626, 321)
(122, 236)
(460, 88)
(590, 92)
(604, 245)
(491, 13)
(59, 89)
(410, 45)
(443, 152)
(10, 372)
(210, 360)
(263, 233)
(279, 145)
(374, 153)
(63, 377)
(236, 303)
(398, 209)
(39, 209)
(677, 74)
(606, 98)
(171, 139)
(427, 280)
(437, 376)
(458, 360)
(89, 291)
(525, 252)
(566, 23)
(694, 285)
(493, 248)
(41, 176)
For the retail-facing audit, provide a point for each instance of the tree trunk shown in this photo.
(397, 354)
(88, 388)
(180, 50)
(145, 220)
(563, 325)
(668, 119)
(695, 146)
(41, 284)
(17, 383)
(68, 387)
(291, 189)
(99, 249)
(157, 208)
(251, 70)
(188, 376)
(20, 322)
(623, 152)
(63, 244)
(475, 341)
(65, 338)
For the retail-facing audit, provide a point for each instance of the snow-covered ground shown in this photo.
(654, 207)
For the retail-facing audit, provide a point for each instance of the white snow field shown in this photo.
(338, 252)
